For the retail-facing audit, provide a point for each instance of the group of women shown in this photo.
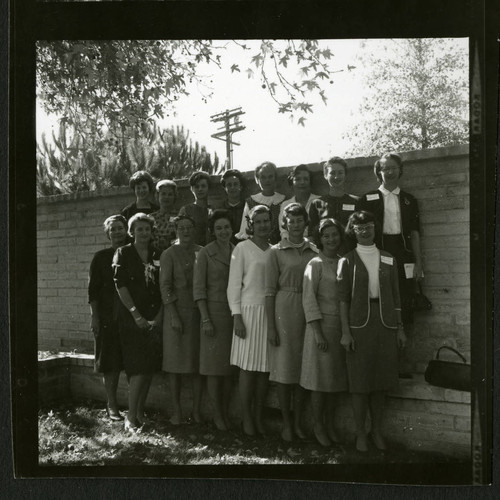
(302, 292)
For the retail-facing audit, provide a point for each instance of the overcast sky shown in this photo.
(269, 135)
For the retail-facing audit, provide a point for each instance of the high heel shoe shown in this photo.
(113, 416)
(378, 441)
(131, 427)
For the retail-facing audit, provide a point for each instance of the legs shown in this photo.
(285, 392)
(137, 394)
(360, 409)
(215, 390)
(318, 404)
(246, 387)
(110, 381)
(261, 380)
(197, 381)
(377, 400)
(175, 392)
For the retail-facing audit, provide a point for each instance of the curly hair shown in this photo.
(258, 209)
(217, 214)
(334, 160)
(113, 218)
(197, 176)
(141, 176)
(295, 171)
(295, 209)
(232, 173)
(324, 224)
(139, 217)
(168, 184)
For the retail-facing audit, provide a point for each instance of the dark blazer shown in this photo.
(352, 279)
(410, 216)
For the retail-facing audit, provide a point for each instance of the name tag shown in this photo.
(371, 197)
(156, 263)
(387, 260)
(347, 207)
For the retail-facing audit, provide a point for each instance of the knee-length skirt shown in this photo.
(373, 366)
(324, 371)
(181, 351)
(107, 348)
(215, 351)
(141, 349)
(250, 353)
(285, 360)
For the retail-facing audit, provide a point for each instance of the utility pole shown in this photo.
(231, 124)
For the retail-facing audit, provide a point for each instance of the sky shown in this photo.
(269, 135)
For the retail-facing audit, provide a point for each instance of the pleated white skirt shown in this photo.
(250, 353)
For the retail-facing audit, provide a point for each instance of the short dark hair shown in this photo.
(293, 173)
(258, 209)
(232, 173)
(139, 217)
(294, 209)
(324, 224)
(334, 160)
(362, 217)
(197, 176)
(266, 164)
(113, 218)
(141, 176)
(388, 156)
(177, 219)
(217, 214)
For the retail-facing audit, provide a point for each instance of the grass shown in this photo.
(83, 435)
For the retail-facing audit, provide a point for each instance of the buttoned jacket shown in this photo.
(352, 279)
(410, 218)
(211, 273)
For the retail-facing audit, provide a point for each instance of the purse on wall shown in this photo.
(449, 374)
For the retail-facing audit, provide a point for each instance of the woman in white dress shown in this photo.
(266, 177)
(245, 293)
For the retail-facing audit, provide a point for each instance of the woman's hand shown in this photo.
(321, 342)
(208, 328)
(95, 326)
(239, 327)
(401, 337)
(273, 337)
(142, 323)
(417, 271)
(347, 341)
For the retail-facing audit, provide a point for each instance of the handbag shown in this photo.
(419, 302)
(449, 374)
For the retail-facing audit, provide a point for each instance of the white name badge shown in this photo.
(348, 207)
(387, 260)
(156, 263)
(371, 197)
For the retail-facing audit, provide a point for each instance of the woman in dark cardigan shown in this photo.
(372, 331)
(136, 274)
(103, 300)
(142, 185)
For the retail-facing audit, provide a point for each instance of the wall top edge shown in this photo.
(357, 162)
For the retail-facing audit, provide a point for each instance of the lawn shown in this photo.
(83, 435)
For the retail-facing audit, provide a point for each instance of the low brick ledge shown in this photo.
(414, 388)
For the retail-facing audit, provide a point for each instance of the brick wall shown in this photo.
(70, 232)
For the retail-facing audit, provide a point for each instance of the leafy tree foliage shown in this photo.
(416, 97)
(71, 162)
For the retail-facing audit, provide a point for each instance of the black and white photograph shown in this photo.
(258, 255)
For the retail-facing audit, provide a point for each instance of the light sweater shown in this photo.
(370, 256)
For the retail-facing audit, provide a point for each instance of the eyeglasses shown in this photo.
(364, 227)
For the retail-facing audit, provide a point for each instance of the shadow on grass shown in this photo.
(83, 435)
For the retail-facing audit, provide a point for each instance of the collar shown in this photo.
(386, 192)
(213, 250)
(284, 244)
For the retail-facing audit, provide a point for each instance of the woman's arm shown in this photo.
(167, 291)
(200, 292)
(128, 302)
(235, 283)
(310, 304)
(347, 340)
(94, 318)
(415, 246)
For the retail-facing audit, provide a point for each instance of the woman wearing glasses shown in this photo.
(372, 330)
(397, 213)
